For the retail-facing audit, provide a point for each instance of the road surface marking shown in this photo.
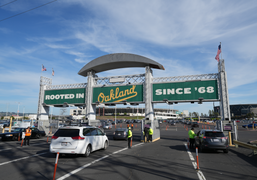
(199, 173)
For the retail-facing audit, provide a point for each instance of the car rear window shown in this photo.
(67, 133)
(214, 134)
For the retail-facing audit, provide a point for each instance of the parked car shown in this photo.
(172, 123)
(107, 126)
(211, 139)
(120, 133)
(249, 126)
(78, 140)
(194, 124)
(14, 135)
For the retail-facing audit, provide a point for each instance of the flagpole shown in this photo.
(221, 51)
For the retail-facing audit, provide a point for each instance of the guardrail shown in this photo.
(249, 146)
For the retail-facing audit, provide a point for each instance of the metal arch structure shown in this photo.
(146, 80)
(128, 79)
(66, 86)
(186, 78)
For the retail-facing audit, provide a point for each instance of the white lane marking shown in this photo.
(199, 173)
(5, 149)
(97, 160)
(22, 146)
(21, 159)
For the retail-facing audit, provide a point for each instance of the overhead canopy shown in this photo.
(118, 60)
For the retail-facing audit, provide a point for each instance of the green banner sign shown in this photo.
(132, 93)
(60, 96)
(191, 90)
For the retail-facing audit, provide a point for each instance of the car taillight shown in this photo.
(206, 137)
(114, 133)
(54, 137)
(224, 137)
(124, 133)
(77, 138)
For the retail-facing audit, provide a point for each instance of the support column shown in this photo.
(90, 108)
(149, 109)
(223, 91)
(43, 111)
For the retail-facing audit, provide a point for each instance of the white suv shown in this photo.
(78, 140)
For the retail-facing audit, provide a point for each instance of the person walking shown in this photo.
(129, 137)
(191, 135)
(150, 132)
(27, 136)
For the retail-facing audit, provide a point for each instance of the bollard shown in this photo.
(120, 125)
(230, 140)
(55, 166)
(166, 127)
(184, 126)
(196, 149)
(205, 127)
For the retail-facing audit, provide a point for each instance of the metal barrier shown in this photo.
(249, 146)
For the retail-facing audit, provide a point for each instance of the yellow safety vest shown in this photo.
(28, 132)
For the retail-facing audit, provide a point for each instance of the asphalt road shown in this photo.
(167, 158)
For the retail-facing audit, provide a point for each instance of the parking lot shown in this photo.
(167, 158)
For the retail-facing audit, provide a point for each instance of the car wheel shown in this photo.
(37, 136)
(105, 145)
(88, 151)
(15, 138)
(201, 149)
(225, 151)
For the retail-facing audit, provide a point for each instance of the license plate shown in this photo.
(118, 134)
(216, 140)
(64, 144)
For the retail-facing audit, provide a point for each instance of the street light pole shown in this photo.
(18, 110)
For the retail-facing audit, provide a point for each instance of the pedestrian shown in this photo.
(132, 125)
(127, 125)
(145, 133)
(27, 136)
(129, 137)
(150, 132)
(192, 135)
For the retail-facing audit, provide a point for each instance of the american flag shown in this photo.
(43, 68)
(218, 53)
(52, 72)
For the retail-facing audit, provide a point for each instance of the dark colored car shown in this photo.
(120, 133)
(14, 135)
(249, 126)
(194, 124)
(211, 139)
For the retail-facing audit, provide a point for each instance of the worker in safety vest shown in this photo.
(150, 132)
(27, 136)
(146, 134)
(191, 135)
(129, 137)
(127, 125)
(132, 125)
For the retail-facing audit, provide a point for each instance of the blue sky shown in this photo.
(181, 35)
